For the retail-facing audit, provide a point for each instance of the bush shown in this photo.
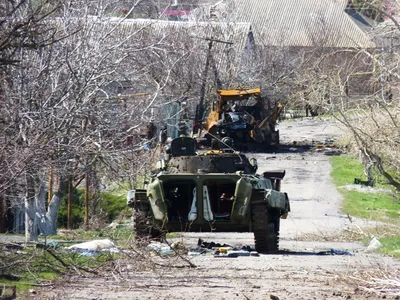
(110, 205)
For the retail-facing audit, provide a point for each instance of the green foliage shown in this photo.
(77, 210)
(345, 169)
(391, 246)
(373, 206)
(383, 206)
(35, 266)
(112, 203)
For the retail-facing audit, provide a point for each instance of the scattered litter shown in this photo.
(89, 253)
(292, 149)
(332, 152)
(270, 157)
(335, 252)
(52, 244)
(48, 245)
(373, 245)
(33, 291)
(93, 245)
(210, 245)
(340, 252)
(239, 252)
(221, 250)
(224, 249)
(157, 246)
(147, 147)
(161, 248)
(179, 246)
(231, 255)
(114, 225)
(167, 251)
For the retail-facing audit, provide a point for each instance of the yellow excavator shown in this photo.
(239, 118)
(242, 119)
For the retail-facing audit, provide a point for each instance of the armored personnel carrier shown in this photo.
(215, 190)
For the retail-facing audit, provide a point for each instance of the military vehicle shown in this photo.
(243, 119)
(214, 191)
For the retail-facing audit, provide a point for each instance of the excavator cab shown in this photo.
(242, 118)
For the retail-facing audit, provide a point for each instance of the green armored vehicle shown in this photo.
(211, 191)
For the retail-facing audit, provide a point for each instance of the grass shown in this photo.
(38, 266)
(391, 245)
(382, 206)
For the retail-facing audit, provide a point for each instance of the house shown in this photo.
(302, 23)
(301, 31)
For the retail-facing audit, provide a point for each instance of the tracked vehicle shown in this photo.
(216, 190)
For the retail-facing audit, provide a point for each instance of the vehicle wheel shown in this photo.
(143, 225)
(266, 229)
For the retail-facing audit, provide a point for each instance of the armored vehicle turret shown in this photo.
(215, 190)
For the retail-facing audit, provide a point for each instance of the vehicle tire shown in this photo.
(141, 222)
(143, 225)
(266, 229)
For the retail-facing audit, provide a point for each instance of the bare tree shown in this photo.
(57, 108)
(78, 102)
(361, 88)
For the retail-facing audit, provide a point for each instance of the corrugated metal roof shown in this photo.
(298, 22)
(191, 35)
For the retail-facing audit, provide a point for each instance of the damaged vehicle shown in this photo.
(211, 191)
(242, 119)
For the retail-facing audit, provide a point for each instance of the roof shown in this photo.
(298, 23)
(192, 37)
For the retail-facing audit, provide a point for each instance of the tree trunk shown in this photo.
(48, 219)
(31, 226)
(38, 219)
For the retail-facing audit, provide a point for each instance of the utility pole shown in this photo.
(69, 203)
(200, 106)
(87, 200)
(50, 189)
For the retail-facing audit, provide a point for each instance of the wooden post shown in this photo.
(69, 203)
(87, 200)
(50, 189)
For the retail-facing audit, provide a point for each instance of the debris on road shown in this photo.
(373, 245)
(335, 252)
(221, 250)
(159, 247)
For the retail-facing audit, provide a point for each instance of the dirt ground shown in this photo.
(299, 271)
